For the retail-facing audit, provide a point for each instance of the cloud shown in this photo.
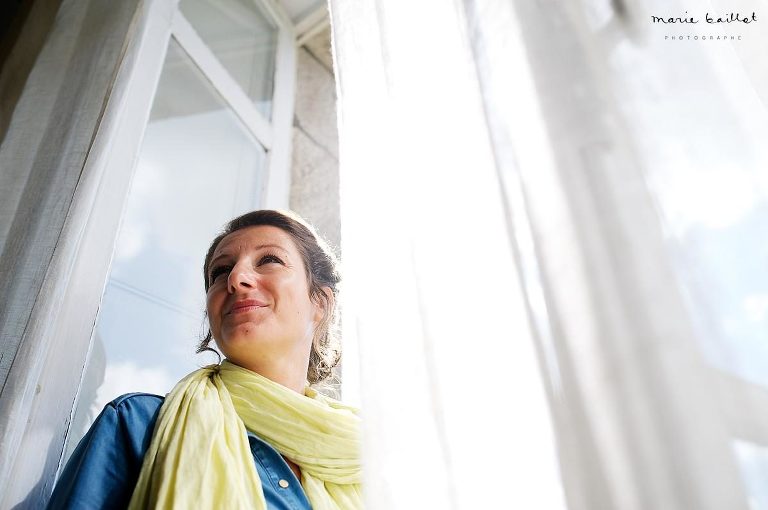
(126, 377)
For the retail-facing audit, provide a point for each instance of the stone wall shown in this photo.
(315, 164)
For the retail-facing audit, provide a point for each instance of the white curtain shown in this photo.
(454, 406)
(549, 224)
(65, 165)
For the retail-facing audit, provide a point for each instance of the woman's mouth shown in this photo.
(245, 305)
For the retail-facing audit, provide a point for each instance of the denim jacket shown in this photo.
(105, 466)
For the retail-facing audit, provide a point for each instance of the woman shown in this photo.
(250, 432)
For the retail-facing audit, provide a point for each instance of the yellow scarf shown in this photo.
(200, 458)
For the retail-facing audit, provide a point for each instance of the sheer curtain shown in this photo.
(59, 209)
(454, 406)
(551, 224)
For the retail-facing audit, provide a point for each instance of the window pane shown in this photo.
(753, 464)
(727, 283)
(715, 201)
(243, 38)
(706, 170)
(198, 168)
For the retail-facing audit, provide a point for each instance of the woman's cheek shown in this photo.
(213, 307)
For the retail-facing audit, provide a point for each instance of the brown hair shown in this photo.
(322, 271)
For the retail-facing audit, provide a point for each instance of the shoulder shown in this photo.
(133, 401)
(134, 414)
(103, 469)
(128, 421)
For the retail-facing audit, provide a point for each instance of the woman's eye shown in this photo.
(267, 259)
(218, 271)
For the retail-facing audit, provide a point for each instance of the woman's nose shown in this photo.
(239, 278)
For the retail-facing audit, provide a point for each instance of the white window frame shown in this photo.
(271, 135)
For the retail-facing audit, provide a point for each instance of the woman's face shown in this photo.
(258, 298)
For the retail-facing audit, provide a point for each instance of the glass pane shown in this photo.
(243, 38)
(727, 283)
(753, 465)
(198, 167)
(702, 139)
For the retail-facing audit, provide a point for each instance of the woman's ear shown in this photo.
(323, 307)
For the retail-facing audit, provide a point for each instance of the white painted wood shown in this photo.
(230, 90)
(296, 9)
(318, 15)
(277, 185)
(312, 24)
(275, 137)
(278, 14)
(38, 401)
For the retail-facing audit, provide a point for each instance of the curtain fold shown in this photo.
(455, 411)
(55, 249)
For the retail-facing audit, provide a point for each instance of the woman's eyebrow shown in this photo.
(259, 247)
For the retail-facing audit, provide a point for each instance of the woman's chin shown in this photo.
(245, 331)
(248, 337)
